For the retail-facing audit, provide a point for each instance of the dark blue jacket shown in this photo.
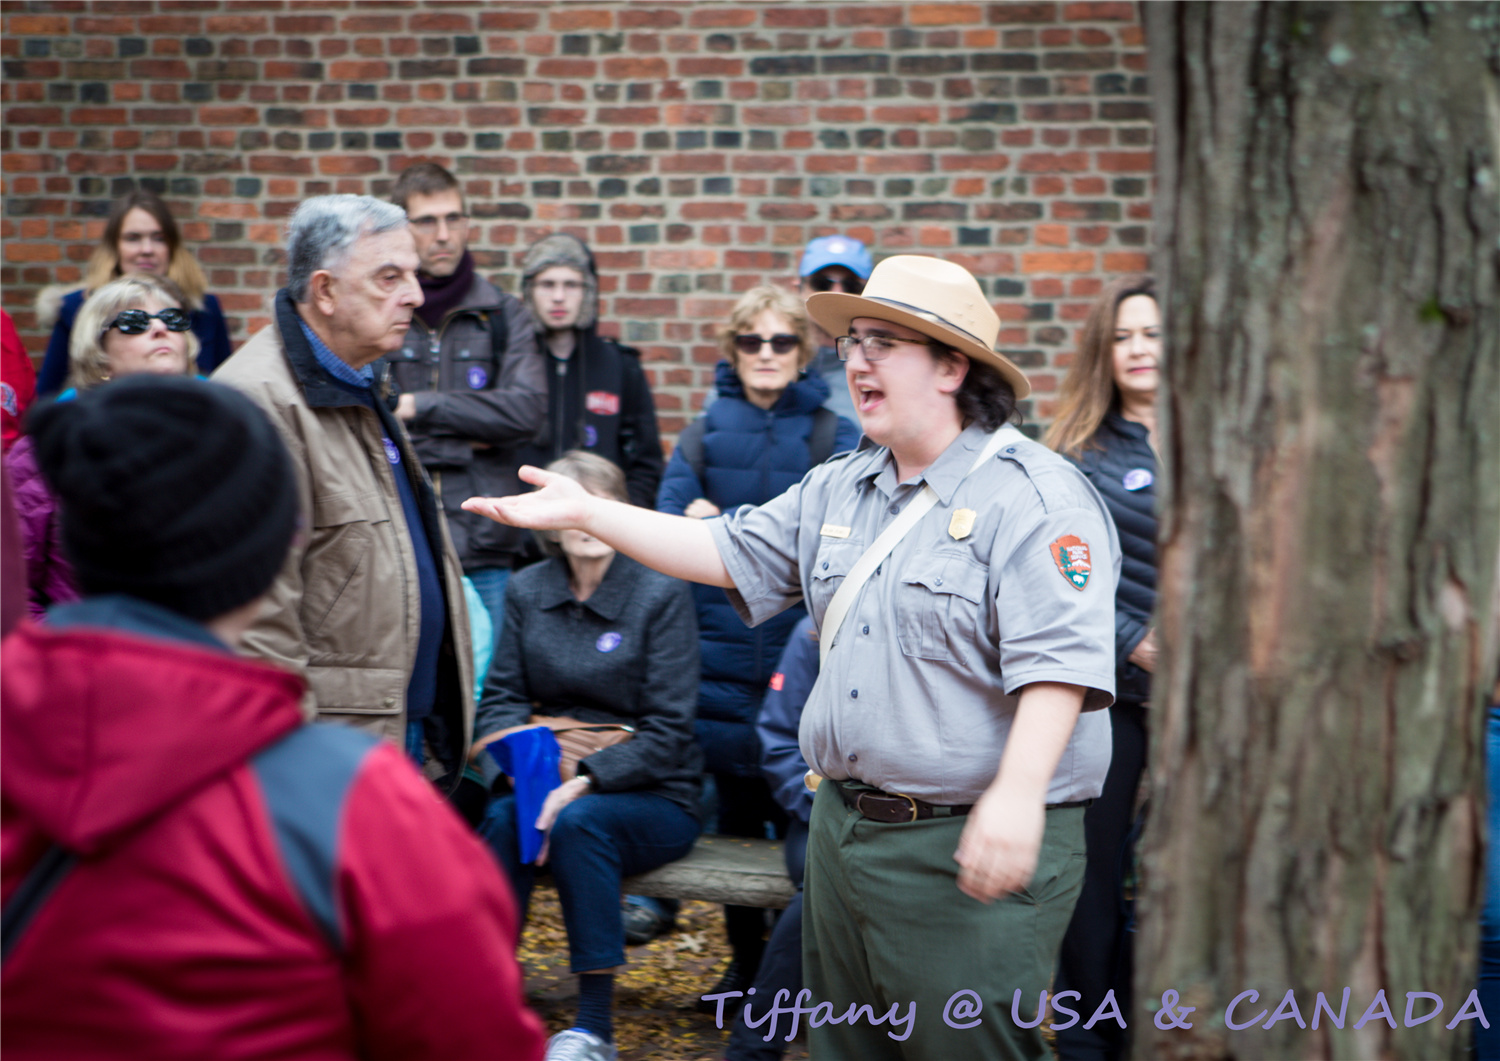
(781, 759)
(1122, 466)
(750, 456)
(208, 326)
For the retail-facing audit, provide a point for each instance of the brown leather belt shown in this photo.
(878, 806)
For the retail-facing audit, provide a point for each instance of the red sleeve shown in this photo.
(429, 924)
(17, 380)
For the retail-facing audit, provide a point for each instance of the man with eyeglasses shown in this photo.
(472, 386)
(840, 264)
(955, 722)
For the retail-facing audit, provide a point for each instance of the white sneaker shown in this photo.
(575, 1044)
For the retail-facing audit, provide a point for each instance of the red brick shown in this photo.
(635, 69)
(359, 70)
(567, 68)
(570, 19)
(1126, 161)
(645, 307)
(441, 22)
(563, 165)
(869, 15)
(159, 163)
(294, 164)
(160, 70)
(347, 165)
(944, 14)
(485, 116)
(651, 18)
(32, 252)
(926, 114)
(721, 18)
(628, 116)
(509, 20)
(1006, 12)
(1046, 162)
(791, 114)
(793, 17)
(97, 116)
(1058, 262)
(1127, 262)
(893, 163)
(36, 26)
(1115, 11)
(228, 211)
(713, 211)
(237, 24)
(34, 116)
(360, 116)
(121, 26)
(700, 163)
(171, 25)
(305, 25)
(371, 24)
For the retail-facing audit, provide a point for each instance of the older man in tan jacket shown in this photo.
(369, 605)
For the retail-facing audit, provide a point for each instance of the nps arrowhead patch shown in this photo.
(1071, 555)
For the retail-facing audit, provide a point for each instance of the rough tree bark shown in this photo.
(1329, 243)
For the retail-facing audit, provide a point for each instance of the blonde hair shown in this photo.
(755, 302)
(182, 268)
(87, 359)
(597, 476)
(1088, 391)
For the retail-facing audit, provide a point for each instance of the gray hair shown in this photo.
(324, 228)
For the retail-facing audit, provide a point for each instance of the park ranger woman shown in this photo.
(963, 579)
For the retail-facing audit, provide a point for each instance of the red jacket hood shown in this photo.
(104, 729)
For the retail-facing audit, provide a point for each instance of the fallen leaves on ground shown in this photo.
(656, 991)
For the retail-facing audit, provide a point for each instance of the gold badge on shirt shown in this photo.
(961, 523)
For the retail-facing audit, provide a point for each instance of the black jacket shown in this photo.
(1119, 458)
(599, 400)
(628, 654)
(465, 394)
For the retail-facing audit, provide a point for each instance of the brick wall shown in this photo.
(696, 146)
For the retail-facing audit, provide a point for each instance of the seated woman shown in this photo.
(140, 239)
(760, 436)
(597, 637)
(130, 326)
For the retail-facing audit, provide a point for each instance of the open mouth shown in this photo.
(867, 397)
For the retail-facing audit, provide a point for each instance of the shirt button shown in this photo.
(866, 630)
(825, 565)
(894, 509)
(854, 694)
(853, 758)
(939, 582)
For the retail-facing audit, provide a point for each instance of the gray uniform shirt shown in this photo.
(919, 691)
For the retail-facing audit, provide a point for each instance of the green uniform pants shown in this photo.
(885, 926)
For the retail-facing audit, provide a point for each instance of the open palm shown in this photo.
(560, 503)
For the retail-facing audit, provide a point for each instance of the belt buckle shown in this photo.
(912, 801)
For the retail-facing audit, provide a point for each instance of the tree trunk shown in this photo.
(1329, 247)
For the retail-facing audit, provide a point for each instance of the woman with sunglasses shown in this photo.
(140, 239)
(761, 434)
(128, 327)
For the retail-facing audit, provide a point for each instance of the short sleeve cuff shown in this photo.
(1099, 687)
(752, 611)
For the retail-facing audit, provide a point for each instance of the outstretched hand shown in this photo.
(559, 504)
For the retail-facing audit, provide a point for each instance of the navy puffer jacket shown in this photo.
(1123, 470)
(750, 455)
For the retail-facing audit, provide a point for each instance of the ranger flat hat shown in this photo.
(937, 298)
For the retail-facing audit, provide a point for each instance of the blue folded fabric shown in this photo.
(530, 758)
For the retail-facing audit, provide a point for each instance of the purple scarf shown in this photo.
(445, 293)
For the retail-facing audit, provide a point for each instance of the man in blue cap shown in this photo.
(833, 263)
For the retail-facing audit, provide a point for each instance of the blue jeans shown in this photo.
(490, 583)
(595, 842)
(1487, 1040)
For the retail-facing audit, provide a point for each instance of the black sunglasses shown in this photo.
(784, 343)
(851, 285)
(136, 321)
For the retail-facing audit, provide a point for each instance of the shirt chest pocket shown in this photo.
(348, 546)
(939, 602)
(834, 559)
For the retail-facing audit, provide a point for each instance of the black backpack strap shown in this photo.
(499, 336)
(825, 429)
(690, 442)
(33, 893)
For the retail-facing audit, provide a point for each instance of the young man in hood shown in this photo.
(471, 382)
(189, 870)
(597, 395)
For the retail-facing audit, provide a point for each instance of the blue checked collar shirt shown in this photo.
(335, 366)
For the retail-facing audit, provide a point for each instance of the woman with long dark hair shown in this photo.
(140, 239)
(1106, 424)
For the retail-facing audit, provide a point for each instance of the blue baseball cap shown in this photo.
(836, 250)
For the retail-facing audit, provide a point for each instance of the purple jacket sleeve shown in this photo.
(49, 575)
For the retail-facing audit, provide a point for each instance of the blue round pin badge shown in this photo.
(608, 642)
(392, 452)
(1137, 479)
(590, 436)
(478, 377)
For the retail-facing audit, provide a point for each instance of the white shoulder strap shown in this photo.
(881, 547)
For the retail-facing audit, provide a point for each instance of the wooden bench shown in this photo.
(722, 869)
